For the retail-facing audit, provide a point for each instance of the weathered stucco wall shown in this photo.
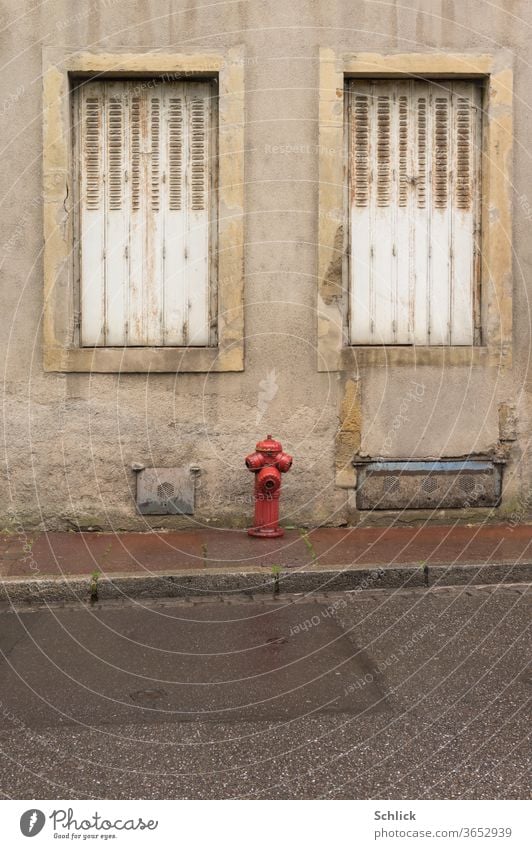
(69, 439)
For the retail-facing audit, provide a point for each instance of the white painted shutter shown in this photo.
(414, 190)
(144, 176)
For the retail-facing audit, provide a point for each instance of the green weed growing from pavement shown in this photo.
(308, 542)
(276, 572)
(95, 577)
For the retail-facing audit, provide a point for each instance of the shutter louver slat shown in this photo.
(154, 266)
(145, 239)
(116, 271)
(403, 151)
(135, 153)
(463, 144)
(175, 220)
(137, 223)
(402, 238)
(465, 100)
(414, 164)
(93, 140)
(198, 150)
(91, 123)
(175, 152)
(360, 110)
(441, 152)
(383, 151)
(196, 302)
(361, 148)
(115, 143)
(440, 223)
(419, 261)
(155, 152)
(383, 261)
(421, 179)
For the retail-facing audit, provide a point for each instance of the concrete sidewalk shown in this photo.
(64, 566)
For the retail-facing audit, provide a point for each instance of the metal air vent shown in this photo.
(165, 492)
(415, 484)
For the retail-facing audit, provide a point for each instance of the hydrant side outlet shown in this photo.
(267, 462)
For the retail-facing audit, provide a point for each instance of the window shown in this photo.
(487, 80)
(414, 211)
(143, 156)
(164, 290)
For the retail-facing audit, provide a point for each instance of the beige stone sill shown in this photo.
(131, 360)
(390, 355)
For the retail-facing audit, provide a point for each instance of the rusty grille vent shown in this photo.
(429, 484)
(165, 491)
(403, 485)
(391, 484)
(468, 484)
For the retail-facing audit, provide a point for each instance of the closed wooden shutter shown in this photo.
(144, 158)
(414, 211)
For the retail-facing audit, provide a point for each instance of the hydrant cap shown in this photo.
(269, 445)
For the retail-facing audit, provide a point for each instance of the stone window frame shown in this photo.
(334, 351)
(61, 352)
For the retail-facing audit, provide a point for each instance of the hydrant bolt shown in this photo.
(267, 462)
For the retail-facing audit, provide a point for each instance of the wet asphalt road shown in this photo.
(386, 694)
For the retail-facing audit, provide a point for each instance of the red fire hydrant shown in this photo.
(267, 462)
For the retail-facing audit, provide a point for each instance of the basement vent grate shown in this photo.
(427, 484)
(163, 492)
(468, 484)
(391, 484)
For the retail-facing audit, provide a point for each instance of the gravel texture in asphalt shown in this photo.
(420, 693)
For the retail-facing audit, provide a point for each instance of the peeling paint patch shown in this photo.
(348, 437)
(331, 286)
